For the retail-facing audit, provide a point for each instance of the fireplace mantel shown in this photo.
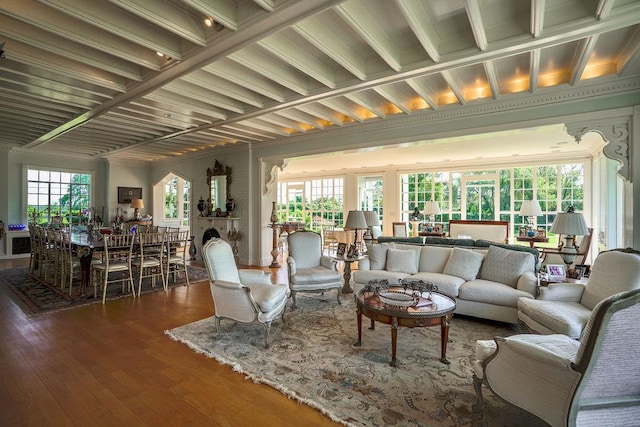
(222, 224)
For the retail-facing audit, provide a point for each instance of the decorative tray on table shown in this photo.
(398, 299)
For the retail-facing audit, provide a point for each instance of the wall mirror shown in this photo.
(218, 181)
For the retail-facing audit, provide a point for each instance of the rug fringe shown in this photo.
(261, 380)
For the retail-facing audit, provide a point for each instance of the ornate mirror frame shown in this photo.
(217, 171)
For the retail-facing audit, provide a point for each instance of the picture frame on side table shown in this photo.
(585, 268)
(541, 233)
(352, 251)
(342, 248)
(556, 272)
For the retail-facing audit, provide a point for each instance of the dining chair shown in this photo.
(175, 256)
(147, 259)
(399, 229)
(117, 253)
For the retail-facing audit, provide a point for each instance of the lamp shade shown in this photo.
(137, 204)
(355, 220)
(431, 208)
(570, 223)
(530, 208)
(371, 218)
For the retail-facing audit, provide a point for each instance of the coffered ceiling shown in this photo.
(149, 80)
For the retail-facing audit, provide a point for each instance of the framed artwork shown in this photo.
(542, 233)
(556, 272)
(126, 194)
(437, 228)
(522, 232)
(352, 251)
(342, 248)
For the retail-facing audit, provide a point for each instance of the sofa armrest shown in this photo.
(364, 264)
(567, 292)
(528, 282)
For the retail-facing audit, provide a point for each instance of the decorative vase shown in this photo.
(201, 205)
(531, 233)
(230, 205)
(192, 248)
(274, 213)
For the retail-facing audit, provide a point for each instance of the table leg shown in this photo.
(85, 269)
(359, 317)
(346, 288)
(394, 341)
(444, 337)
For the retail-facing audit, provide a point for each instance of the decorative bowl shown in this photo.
(397, 299)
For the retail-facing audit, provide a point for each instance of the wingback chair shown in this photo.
(595, 382)
(564, 308)
(309, 269)
(246, 296)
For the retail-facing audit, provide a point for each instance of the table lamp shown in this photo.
(571, 224)
(137, 204)
(355, 221)
(531, 209)
(373, 220)
(431, 208)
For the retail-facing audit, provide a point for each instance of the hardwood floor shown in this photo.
(113, 365)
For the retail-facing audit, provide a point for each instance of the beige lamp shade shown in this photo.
(530, 208)
(431, 208)
(137, 205)
(371, 218)
(355, 220)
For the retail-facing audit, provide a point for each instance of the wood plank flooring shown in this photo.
(112, 365)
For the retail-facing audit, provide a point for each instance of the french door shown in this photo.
(481, 196)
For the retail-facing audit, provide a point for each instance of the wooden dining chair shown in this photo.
(147, 260)
(118, 250)
(399, 229)
(175, 257)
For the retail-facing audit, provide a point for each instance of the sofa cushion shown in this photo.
(491, 292)
(463, 263)
(448, 241)
(433, 259)
(445, 283)
(378, 255)
(403, 261)
(481, 243)
(567, 318)
(318, 274)
(505, 266)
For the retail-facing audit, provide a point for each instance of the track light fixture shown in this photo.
(210, 22)
(2, 50)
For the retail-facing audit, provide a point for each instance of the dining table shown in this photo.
(85, 244)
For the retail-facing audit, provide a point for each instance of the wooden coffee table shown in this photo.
(439, 313)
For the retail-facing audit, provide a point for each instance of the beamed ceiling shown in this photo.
(148, 80)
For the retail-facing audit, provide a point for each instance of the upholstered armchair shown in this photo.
(595, 382)
(564, 308)
(309, 269)
(246, 296)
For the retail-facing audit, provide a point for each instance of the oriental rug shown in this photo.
(36, 297)
(313, 360)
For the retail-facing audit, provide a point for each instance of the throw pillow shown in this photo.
(378, 255)
(463, 263)
(505, 266)
(402, 261)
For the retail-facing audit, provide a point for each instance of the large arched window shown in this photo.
(176, 196)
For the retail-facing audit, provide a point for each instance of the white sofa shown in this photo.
(486, 282)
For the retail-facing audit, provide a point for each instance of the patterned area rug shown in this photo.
(312, 359)
(36, 297)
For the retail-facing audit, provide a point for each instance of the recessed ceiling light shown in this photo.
(159, 53)
(208, 22)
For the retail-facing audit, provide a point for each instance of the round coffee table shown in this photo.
(422, 315)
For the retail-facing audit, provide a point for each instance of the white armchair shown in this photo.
(595, 382)
(564, 308)
(246, 296)
(309, 269)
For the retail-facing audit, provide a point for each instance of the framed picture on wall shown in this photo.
(126, 194)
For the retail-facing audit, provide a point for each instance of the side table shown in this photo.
(346, 287)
